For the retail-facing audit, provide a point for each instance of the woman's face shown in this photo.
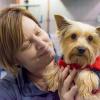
(37, 50)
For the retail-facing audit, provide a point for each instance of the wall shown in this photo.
(5, 3)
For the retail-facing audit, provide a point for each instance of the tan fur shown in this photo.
(51, 75)
(86, 80)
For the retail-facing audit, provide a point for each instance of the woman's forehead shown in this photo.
(29, 26)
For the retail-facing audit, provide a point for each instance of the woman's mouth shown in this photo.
(45, 51)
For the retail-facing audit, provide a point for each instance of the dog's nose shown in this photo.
(81, 50)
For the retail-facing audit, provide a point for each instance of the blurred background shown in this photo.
(87, 11)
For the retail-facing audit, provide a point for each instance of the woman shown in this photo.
(27, 54)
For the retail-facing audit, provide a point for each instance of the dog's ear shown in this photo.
(98, 30)
(61, 22)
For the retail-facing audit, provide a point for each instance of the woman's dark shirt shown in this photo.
(20, 88)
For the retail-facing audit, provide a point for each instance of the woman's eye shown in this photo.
(73, 36)
(90, 38)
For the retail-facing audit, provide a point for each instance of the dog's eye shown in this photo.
(73, 36)
(90, 38)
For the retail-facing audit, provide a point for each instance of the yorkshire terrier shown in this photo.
(80, 45)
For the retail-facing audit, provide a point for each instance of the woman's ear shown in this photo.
(61, 22)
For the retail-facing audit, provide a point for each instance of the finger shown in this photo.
(62, 68)
(73, 91)
(65, 73)
(62, 78)
(69, 79)
(72, 84)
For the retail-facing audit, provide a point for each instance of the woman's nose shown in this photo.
(46, 39)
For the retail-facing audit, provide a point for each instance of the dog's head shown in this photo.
(80, 42)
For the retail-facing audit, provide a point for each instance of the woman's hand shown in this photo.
(66, 90)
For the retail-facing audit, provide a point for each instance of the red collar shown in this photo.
(61, 63)
(95, 65)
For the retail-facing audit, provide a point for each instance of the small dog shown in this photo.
(80, 44)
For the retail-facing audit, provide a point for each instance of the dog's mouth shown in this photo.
(80, 59)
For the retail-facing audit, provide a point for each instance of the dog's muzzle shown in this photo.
(81, 50)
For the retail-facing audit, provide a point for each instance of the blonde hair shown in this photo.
(11, 35)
